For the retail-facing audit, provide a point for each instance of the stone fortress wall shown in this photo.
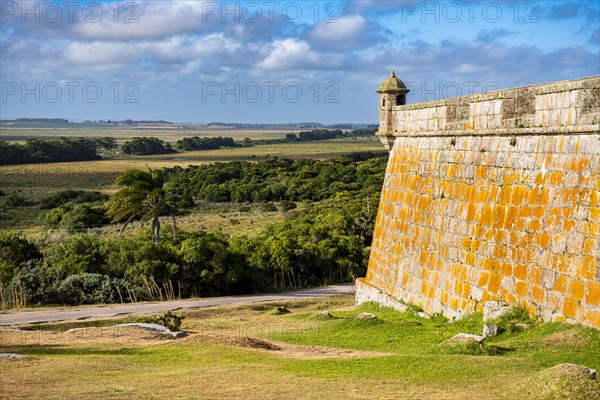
(490, 197)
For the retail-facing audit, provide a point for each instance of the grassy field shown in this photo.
(248, 352)
(36, 181)
(101, 173)
(121, 134)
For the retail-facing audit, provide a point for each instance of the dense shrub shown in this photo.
(268, 207)
(43, 151)
(320, 134)
(146, 146)
(76, 217)
(287, 205)
(15, 199)
(78, 254)
(281, 179)
(33, 284)
(205, 143)
(316, 248)
(89, 288)
(14, 253)
(209, 267)
(72, 196)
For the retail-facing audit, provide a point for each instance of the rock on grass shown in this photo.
(279, 311)
(12, 355)
(365, 315)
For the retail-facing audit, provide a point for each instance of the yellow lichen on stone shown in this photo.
(475, 217)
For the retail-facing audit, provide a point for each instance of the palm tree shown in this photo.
(142, 196)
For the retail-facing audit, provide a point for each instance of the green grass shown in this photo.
(419, 342)
(390, 331)
(415, 366)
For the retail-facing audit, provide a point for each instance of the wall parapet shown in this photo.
(572, 105)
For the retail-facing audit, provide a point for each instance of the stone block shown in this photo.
(465, 338)
(365, 315)
(492, 310)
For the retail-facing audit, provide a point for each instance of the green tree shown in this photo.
(14, 252)
(142, 196)
(206, 264)
(73, 217)
(78, 254)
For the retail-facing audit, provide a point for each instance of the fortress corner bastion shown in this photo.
(490, 197)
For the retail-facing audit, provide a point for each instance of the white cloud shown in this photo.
(346, 28)
(102, 53)
(215, 44)
(351, 32)
(289, 54)
(148, 20)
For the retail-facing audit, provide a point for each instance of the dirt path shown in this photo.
(83, 313)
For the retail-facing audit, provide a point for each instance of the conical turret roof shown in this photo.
(392, 84)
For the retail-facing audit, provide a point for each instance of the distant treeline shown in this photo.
(146, 146)
(315, 134)
(212, 143)
(85, 149)
(300, 125)
(365, 132)
(238, 125)
(142, 122)
(325, 134)
(205, 143)
(44, 120)
(45, 151)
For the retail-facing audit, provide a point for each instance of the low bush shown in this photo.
(169, 320)
(89, 288)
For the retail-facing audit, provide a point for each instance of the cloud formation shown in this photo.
(169, 45)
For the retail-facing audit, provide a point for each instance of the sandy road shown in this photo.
(83, 313)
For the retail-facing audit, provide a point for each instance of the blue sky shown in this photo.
(278, 61)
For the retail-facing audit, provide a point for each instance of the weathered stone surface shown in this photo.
(12, 355)
(365, 315)
(522, 326)
(160, 329)
(366, 293)
(490, 329)
(465, 338)
(492, 197)
(493, 310)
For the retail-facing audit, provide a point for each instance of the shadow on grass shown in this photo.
(500, 351)
(64, 350)
(471, 349)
